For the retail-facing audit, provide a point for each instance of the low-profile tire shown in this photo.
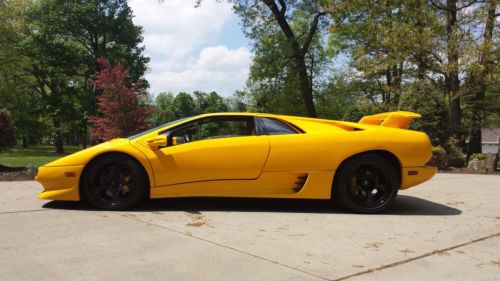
(114, 182)
(366, 184)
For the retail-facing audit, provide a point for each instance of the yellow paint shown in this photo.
(57, 185)
(424, 174)
(254, 166)
(268, 185)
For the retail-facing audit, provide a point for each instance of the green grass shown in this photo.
(33, 156)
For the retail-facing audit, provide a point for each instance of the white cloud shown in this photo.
(217, 68)
(179, 39)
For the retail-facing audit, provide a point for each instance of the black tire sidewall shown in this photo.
(340, 189)
(137, 189)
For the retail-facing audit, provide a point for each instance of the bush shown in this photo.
(454, 155)
(478, 156)
(439, 159)
(7, 131)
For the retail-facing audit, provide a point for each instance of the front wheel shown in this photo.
(114, 182)
(366, 184)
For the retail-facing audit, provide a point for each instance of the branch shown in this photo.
(283, 7)
(312, 31)
(280, 18)
(468, 5)
(456, 9)
(437, 6)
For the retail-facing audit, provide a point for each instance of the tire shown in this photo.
(114, 182)
(366, 184)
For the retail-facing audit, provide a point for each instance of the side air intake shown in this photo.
(299, 183)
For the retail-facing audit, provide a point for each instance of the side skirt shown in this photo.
(299, 184)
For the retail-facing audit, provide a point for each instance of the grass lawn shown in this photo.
(33, 156)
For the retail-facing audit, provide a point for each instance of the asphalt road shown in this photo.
(445, 229)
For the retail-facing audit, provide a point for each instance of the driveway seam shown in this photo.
(23, 211)
(227, 247)
(405, 261)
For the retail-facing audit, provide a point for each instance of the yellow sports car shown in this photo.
(360, 165)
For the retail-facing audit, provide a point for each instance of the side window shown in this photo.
(275, 127)
(214, 128)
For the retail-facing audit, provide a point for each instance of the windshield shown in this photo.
(155, 128)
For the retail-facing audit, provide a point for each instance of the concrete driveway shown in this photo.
(446, 229)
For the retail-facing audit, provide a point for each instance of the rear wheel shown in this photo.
(366, 184)
(114, 182)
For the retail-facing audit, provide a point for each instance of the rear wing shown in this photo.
(395, 119)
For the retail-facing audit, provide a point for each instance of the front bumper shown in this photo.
(59, 183)
(416, 175)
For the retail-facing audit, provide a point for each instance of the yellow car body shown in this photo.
(300, 165)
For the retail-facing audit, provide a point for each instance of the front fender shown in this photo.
(61, 178)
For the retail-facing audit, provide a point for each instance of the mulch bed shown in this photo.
(15, 174)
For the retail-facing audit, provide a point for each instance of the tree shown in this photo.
(481, 74)
(209, 103)
(238, 101)
(16, 85)
(184, 105)
(7, 131)
(298, 23)
(64, 41)
(164, 109)
(388, 41)
(119, 110)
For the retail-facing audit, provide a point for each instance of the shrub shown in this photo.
(454, 155)
(439, 159)
(7, 130)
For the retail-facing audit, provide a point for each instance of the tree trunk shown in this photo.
(453, 79)
(85, 136)
(480, 87)
(299, 52)
(306, 87)
(25, 142)
(58, 138)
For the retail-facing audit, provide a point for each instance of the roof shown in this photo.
(490, 135)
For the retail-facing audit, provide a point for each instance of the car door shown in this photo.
(291, 148)
(212, 148)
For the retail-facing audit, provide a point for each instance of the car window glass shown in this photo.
(213, 129)
(275, 127)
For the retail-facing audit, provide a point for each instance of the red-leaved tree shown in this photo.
(119, 109)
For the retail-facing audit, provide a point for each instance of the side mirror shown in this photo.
(158, 141)
(176, 140)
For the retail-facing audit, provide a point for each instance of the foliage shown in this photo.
(119, 111)
(164, 109)
(169, 107)
(478, 156)
(209, 103)
(454, 155)
(423, 98)
(289, 52)
(184, 105)
(438, 158)
(49, 56)
(7, 130)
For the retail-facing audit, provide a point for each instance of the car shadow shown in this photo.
(404, 205)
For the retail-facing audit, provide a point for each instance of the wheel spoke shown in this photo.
(369, 200)
(115, 198)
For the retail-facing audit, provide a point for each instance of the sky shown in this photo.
(192, 48)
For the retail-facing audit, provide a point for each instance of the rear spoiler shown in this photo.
(395, 119)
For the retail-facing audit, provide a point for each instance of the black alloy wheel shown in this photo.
(366, 184)
(114, 182)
